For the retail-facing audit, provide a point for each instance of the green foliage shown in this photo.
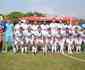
(29, 14)
(39, 14)
(1, 15)
(15, 15)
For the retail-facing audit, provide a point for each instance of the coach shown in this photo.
(9, 35)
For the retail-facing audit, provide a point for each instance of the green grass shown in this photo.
(80, 56)
(19, 61)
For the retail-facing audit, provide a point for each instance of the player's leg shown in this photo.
(62, 49)
(1, 41)
(52, 50)
(55, 49)
(14, 49)
(45, 50)
(12, 45)
(6, 43)
(26, 46)
(79, 49)
(35, 50)
(70, 50)
(22, 47)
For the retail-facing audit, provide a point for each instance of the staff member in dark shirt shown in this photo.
(2, 30)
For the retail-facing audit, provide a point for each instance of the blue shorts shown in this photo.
(9, 38)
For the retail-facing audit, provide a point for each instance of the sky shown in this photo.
(75, 8)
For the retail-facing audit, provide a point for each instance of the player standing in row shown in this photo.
(19, 36)
(2, 31)
(28, 36)
(69, 42)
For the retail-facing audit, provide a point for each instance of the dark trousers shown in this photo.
(1, 45)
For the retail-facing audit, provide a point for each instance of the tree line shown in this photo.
(15, 15)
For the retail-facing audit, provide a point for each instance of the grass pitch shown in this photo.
(10, 61)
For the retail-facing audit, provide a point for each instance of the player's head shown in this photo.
(20, 22)
(29, 29)
(70, 36)
(27, 22)
(44, 22)
(23, 20)
(35, 22)
(59, 30)
(78, 35)
(21, 29)
(53, 21)
(8, 21)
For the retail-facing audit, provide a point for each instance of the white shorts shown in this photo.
(28, 40)
(15, 42)
(44, 49)
(18, 42)
(34, 49)
(40, 41)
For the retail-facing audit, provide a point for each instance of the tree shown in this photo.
(29, 14)
(1, 15)
(34, 13)
(39, 14)
(14, 15)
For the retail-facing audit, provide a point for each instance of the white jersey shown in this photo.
(58, 35)
(53, 32)
(38, 34)
(39, 37)
(29, 25)
(34, 27)
(16, 33)
(17, 27)
(44, 27)
(52, 25)
(78, 41)
(18, 37)
(49, 35)
(27, 34)
(23, 25)
(61, 42)
(47, 26)
(44, 33)
(56, 40)
(69, 41)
